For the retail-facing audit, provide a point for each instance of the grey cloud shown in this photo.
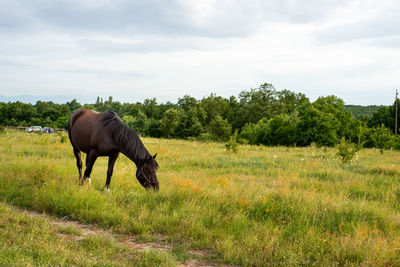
(385, 26)
(14, 17)
(146, 44)
(104, 72)
(129, 18)
(15, 63)
(388, 42)
(298, 11)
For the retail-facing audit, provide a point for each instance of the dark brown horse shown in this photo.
(104, 134)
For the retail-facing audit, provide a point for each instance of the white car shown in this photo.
(33, 129)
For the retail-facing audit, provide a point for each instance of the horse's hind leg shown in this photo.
(90, 159)
(77, 154)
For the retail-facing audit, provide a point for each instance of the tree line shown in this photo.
(261, 115)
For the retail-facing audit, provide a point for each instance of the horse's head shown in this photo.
(147, 173)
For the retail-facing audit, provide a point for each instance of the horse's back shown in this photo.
(82, 128)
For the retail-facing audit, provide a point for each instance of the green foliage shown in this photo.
(347, 150)
(154, 128)
(248, 134)
(2, 130)
(220, 129)
(266, 102)
(150, 107)
(381, 137)
(74, 105)
(213, 106)
(361, 112)
(385, 115)
(62, 136)
(170, 121)
(262, 115)
(318, 126)
(232, 143)
(139, 124)
(204, 137)
(280, 130)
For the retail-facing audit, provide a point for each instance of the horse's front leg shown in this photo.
(111, 161)
(90, 160)
(77, 154)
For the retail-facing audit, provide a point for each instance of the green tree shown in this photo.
(129, 120)
(154, 128)
(214, 105)
(99, 104)
(170, 121)
(384, 115)
(220, 129)
(265, 102)
(335, 106)
(192, 118)
(316, 126)
(139, 124)
(248, 134)
(382, 137)
(150, 107)
(280, 130)
(73, 105)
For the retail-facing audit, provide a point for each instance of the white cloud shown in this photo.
(141, 49)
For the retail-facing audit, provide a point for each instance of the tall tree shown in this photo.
(170, 121)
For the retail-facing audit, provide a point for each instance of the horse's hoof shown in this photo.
(107, 190)
(89, 181)
(80, 181)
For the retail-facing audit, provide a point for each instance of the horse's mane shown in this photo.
(125, 137)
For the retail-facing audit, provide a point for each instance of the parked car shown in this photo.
(33, 129)
(48, 130)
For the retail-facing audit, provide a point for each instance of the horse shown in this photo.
(104, 134)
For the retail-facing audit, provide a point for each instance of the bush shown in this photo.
(347, 150)
(2, 130)
(204, 137)
(382, 138)
(232, 143)
(63, 137)
(248, 134)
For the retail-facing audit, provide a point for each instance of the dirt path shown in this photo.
(197, 257)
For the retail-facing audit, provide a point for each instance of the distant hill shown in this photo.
(361, 111)
(60, 99)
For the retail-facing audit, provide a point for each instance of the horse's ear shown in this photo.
(154, 157)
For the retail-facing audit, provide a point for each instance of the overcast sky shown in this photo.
(140, 49)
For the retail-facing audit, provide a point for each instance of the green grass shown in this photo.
(260, 206)
(33, 241)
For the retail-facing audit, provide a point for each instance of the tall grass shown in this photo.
(260, 206)
(33, 241)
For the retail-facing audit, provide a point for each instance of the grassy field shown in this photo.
(34, 241)
(261, 206)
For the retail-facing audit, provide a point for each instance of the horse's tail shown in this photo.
(74, 117)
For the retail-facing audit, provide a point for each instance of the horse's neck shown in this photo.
(137, 155)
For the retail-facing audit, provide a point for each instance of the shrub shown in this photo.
(204, 137)
(2, 130)
(248, 134)
(232, 143)
(347, 150)
(63, 137)
(382, 137)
